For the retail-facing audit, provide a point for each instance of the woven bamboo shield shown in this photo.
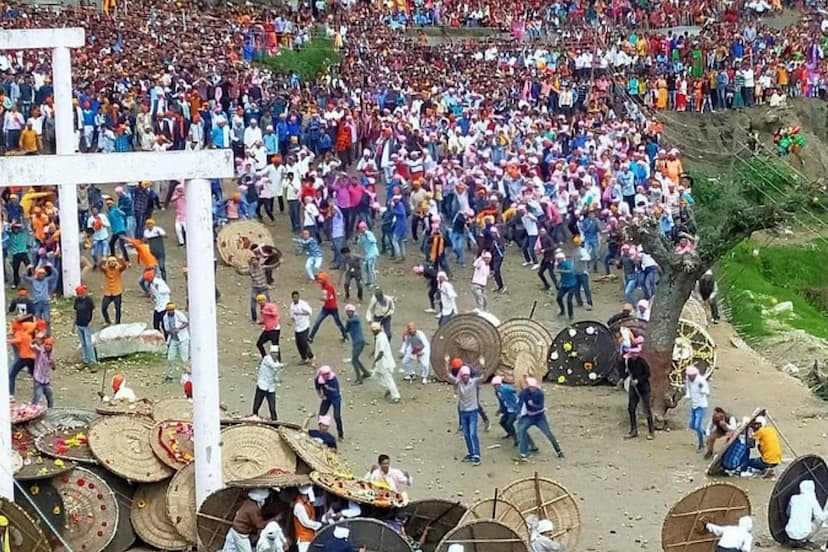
(24, 532)
(122, 445)
(694, 346)
(234, 240)
(498, 509)
(694, 311)
(173, 409)
(374, 535)
(150, 520)
(181, 503)
(484, 535)
(359, 490)
(715, 466)
(547, 499)
(523, 335)
(62, 417)
(215, 516)
(469, 337)
(141, 407)
(20, 413)
(526, 366)
(805, 467)
(440, 516)
(91, 510)
(582, 354)
(273, 481)
(35, 465)
(684, 527)
(41, 500)
(68, 444)
(253, 450)
(124, 536)
(317, 456)
(172, 442)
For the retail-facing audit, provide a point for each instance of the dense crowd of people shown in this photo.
(442, 157)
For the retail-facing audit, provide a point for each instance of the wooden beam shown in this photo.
(28, 39)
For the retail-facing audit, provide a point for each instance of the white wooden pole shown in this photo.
(6, 474)
(201, 285)
(65, 145)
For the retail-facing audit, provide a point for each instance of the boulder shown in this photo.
(122, 340)
(783, 307)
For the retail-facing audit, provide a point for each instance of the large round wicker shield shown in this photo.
(582, 354)
(523, 335)
(359, 490)
(810, 467)
(694, 311)
(181, 503)
(91, 510)
(122, 445)
(172, 442)
(526, 367)
(317, 456)
(469, 337)
(715, 466)
(215, 516)
(234, 240)
(373, 535)
(35, 465)
(439, 516)
(41, 500)
(253, 450)
(62, 417)
(24, 532)
(124, 536)
(484, 535)
(68, 444)
(173, 409)
(547, 499)
(684, 527)
(141, 407)
(694, 346)
(498, 509)
(150, 520)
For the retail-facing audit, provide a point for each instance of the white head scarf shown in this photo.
(341, 533)
(259, 496)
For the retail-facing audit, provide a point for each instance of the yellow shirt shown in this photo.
(767, 440)
(28, 140)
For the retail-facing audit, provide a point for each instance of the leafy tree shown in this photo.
(756, 195)
(312, 60)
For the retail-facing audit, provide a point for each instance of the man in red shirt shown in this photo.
(329, 307)
(271, 328)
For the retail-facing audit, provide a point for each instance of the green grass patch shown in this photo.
(753, 284)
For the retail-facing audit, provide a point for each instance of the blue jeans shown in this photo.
(697, 416)
(130, 220)
(337, 244)
(630, 283)
(87, 350)
(41, 390)
(99, 249)
(468, 424)
(293, 212)
(649, 282)
(42, 311)
(254, 314)
(758, 464)
(458, 246)
(337, 409)
(582, 281)
(529, 254)
(398, 246)
(371, 270)
(312, 266)
(592, 248)
(539, 421)
(323, 314)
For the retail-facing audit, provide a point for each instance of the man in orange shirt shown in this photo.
(146, 259)
(29, 141)
(113, 287)
(22, 339)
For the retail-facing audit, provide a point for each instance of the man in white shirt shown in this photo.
(252, 134)
(733, 538)
(698, 391)
(384, 363)
(805, 515)
(274, 173)
(448, 298)
(160, 293)
(300, 315)
(178, 339)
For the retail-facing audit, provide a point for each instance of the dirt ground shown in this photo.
(624, 487)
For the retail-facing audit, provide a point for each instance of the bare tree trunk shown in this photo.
(674, 289)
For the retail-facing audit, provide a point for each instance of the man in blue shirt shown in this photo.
(533, 413)
(568, 284)
(327, 386)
